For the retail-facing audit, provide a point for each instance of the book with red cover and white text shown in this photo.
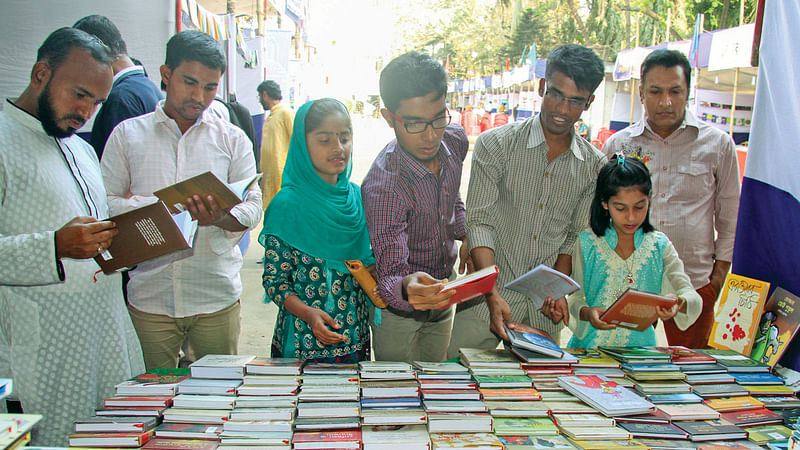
(636, 309)
(478, 283)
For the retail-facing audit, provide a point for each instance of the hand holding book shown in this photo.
(593, 314)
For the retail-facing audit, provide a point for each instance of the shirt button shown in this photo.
(663, 195)
(530, 268)
(541, 205)
(547, 174)
(662, 222)
(664, 168)
(534, 237)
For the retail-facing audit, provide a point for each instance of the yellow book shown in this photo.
(737, 313)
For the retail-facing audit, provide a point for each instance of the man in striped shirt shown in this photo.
(529, 193)
(414, 211)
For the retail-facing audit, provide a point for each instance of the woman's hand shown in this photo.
(319, 321)
(667, 313)
(592, 315)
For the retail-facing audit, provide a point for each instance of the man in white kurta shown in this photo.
(65, 335)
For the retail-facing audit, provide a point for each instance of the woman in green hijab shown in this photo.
(314, 224)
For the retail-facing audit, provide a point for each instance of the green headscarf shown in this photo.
(322, 220)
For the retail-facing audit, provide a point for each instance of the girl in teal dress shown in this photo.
(314, 224)
(622, 250)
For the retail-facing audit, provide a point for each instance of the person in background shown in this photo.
(622, 250)
(132, 93)
(501, 118)
(529, 193)
(414, 211)
(197, 298)
(695, 182)
(275, 135)
(314, 224)
(65, 336)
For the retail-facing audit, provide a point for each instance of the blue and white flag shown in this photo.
(768, 230)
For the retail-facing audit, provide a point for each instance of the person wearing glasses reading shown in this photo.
(414, 211)
(529, 193)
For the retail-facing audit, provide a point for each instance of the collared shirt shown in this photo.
(526, 209)
(413, 216)
(275, 135)
(695, 189)
(147, 153)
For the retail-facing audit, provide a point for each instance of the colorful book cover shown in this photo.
(758, 378)
(478, 283)
(511, 394)
(503, 381)
(606, 395)
(338, 436)
(603, 444)
(654, 430)
(737, 314)
(777, 327)
(734, 403)
(695, 411)
(524, 426)
(768, 433)
(683, 397)
(634, 354)
(682, 355)
(734, 361)
(466, 440)
(535, 442)
(590, 357)
(751, 417)
(534, 343)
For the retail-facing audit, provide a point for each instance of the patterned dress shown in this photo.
(653, 267)
(288, 271)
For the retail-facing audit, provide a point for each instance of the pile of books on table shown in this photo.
(659, 398)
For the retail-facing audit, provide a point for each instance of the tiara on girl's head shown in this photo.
(620, 158)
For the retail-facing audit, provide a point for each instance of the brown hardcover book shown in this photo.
(636, 309)
(147, 233)
(226, 195)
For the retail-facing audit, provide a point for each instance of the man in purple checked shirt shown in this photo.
(414, 211)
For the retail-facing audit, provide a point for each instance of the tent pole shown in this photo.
(733, 103)
(633, 99)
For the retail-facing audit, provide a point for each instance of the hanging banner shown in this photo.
(731, 48)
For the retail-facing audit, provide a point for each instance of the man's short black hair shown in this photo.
(667, 58)
(192, 45)
(55, 48)
(411, 75)
(105, 30)
(579, 63)
(272, 89)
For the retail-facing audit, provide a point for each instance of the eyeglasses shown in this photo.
(574, 103)
(420, 127)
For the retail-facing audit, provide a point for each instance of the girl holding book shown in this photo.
(311, 227)
(622, 250)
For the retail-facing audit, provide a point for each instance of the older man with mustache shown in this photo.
(695, 182)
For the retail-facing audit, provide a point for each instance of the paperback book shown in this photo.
(541, 282)
(737, 313)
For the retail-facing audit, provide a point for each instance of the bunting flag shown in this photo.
(768, 229)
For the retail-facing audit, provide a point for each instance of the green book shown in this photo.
(524, 426)
(504, 381)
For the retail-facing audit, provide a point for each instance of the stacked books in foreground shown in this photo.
(609, 397)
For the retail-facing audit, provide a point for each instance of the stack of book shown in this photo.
(328, 413)
(265, 406)
(15, 429)
(130, 417)
(204, 404)
(594, 362)
(390, 394)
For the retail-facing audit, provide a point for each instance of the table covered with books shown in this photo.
(611, 397)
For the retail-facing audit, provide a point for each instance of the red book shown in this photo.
(142, 411)
(477, 283)
(180, 444)
(682, 355)
(311, 439)
(164, 401)
(109, 440)
(752, 417)
(636, 309)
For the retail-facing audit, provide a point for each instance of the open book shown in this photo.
(226, 195)
(542, 282)
(478, 283)
(533, 342)
(147, 233)
(636, 309)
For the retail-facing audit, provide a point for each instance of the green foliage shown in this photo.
(474, 37)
